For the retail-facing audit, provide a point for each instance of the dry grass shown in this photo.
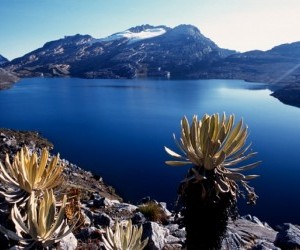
(153, 212)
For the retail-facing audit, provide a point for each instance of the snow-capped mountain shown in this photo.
(139, 51)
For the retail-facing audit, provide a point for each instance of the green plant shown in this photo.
(153, 212)
(26, 174)
(41, 226)
(124, 237)
(210, 190)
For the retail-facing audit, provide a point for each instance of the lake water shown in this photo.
(117, 129)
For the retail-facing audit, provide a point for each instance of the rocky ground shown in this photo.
(7, 79)
(101, 207)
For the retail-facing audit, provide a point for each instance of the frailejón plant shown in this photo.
(42, 225)
(124, 237)
(213, 145)
(26, 174)
(215, 148)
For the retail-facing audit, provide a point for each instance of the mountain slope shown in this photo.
(3, 59)
(140, 51)
(280, 65)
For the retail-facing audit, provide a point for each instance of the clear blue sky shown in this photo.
(235, 24)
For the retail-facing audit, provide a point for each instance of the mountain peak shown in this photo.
(146, 27)
(3, 59)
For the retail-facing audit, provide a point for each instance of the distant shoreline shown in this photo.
(288, 93)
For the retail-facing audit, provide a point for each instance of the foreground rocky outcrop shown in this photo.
(101, 207)
(7, 79)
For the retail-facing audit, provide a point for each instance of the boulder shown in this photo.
(69, 242)
(248, 233)
(288, 236)
(103, 220)
(138, 218)
(156, 235)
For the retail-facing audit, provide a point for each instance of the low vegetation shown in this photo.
(153, 212)
(124, 237)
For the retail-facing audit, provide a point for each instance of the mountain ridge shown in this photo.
(175, 52)
(3, 60)
(182, 52)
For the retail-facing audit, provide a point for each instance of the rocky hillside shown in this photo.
(140, 51)
(100, 207)
(7, 78)
(280, 65)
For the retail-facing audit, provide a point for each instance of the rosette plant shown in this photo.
(215, 148)
(27, 174)
(124, 237)
(42, 225)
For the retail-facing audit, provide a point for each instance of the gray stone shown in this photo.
(173, 247)
(85, 233)
(138, 218)
(125, 207)
(156, 235)
(257, 221)
(172, 227)
(102, 220)
(102, 202)
(264, 245)
(86, 220)
(180, 233)
(288, 236)
(243, 233)
(69, 242)
(170, 239)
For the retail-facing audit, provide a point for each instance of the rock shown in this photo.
(288, 236)
(146, 199)
(156, 235)
(100, 202)
(103, 220)
(125, 207)
(86, 220)
(243, 233)
(69, 242)
(163, 206)
(138, 218)
(85, 233)
(170, 239)
(172, 227)
(181, 234)
(172, 247)
(264, 245)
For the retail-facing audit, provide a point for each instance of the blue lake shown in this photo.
(117, 129)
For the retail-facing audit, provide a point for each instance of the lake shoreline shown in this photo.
(287, 93)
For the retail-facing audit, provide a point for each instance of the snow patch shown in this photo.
(132, 36)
